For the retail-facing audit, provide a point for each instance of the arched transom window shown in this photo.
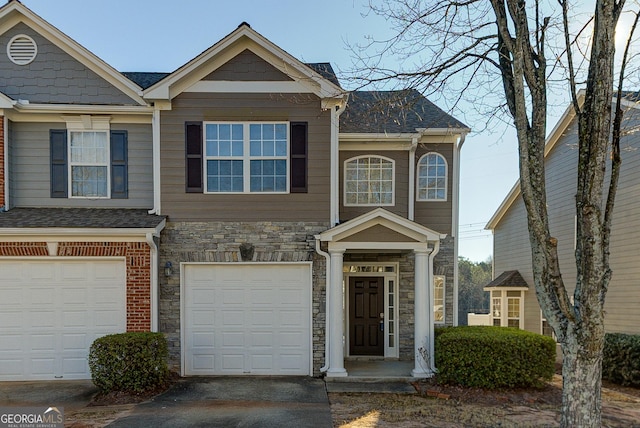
(432, 178)
(368, 180)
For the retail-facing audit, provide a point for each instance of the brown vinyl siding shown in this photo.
(30, 169)
(248, 67)
(401, 172)
(436, 215)
(181, 206)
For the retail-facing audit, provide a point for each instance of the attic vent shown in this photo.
(21, 49)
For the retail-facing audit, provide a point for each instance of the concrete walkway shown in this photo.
(235, 401)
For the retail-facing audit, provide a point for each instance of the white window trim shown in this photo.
(393, 181)
(246, 157)
(87, 123)
(444, 298)
(446, 181)
(504, 306)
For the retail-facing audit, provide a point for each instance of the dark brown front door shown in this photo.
(366, 310)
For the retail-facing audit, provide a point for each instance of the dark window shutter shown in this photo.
(193, 161)
(58, 156)
(119, 169)
(298, 157)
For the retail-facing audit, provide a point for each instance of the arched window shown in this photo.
(432, 178)
(368, 180)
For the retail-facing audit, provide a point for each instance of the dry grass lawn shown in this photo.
(474, 408)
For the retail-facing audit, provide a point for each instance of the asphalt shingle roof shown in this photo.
(147, 79)
(510, 278)
(401, 111)
(79, 218)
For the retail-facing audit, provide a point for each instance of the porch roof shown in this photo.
(380, 228)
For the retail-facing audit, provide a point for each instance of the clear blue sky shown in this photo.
(160, 35)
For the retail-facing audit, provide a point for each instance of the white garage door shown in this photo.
(247, 319)
(51, 312)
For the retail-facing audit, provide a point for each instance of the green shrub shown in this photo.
(493, 357)
(621, 359)
(131, 362)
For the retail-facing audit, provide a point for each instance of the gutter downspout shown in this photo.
(5, 148)
(455, 221)
(412, 177)
(154, 275)
(155, 131)
(327, 300)
(432, 347)
(335, 172)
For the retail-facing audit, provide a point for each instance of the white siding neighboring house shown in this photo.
(512, 251)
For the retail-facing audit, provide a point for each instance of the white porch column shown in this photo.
(422, 315)
(336, 327)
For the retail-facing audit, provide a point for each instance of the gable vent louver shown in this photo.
(22, 49)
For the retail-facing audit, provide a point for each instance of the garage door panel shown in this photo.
(11, 319)
(233, 296)
(43, 366)
(258, 317)
(57, 310)
(43, 319)
(12, 298)
(232, 338)
(74, 366)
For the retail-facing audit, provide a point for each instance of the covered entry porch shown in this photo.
(372, 260)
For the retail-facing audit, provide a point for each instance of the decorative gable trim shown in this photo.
(243, 38)
(15, 12)
(415, 233)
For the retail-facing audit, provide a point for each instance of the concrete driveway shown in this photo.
(235, 402)
(70, 394)
(190, 402)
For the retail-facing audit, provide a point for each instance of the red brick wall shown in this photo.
(138, 262)
(2, 178)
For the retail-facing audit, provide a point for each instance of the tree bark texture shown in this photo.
(579, 326)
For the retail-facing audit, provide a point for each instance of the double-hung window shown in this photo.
(89, 163)
(432, 178)
(246, 157)
(88, 160)
(368, 180)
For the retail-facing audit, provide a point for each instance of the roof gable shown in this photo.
(247, 66)
(559, 130)
(244, 38)
(394, 225)
(508, 279)
(15, 13)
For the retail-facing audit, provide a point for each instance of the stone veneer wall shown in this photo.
(442, 265)
(220, 242)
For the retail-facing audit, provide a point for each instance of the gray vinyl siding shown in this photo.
(181, 206)
(30, 170)
(53, 77)
(511, 243)
(436, 215)
(401, 172)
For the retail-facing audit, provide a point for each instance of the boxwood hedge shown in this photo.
(493, 357)
(621, 359)
(131, 362)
